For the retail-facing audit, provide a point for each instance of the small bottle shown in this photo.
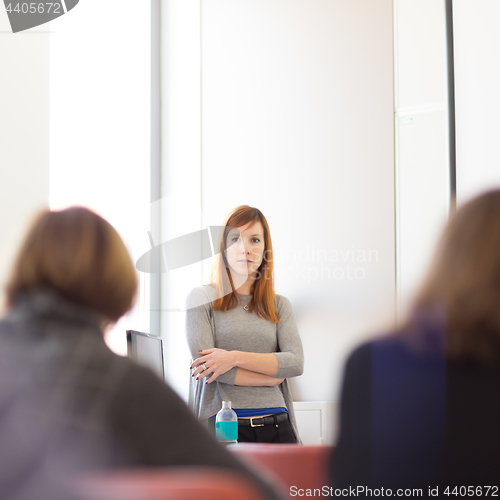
(226, 424)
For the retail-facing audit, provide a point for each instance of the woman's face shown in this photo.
(245, 249)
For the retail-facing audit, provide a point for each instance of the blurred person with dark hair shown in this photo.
(67, 403)
(421, 408)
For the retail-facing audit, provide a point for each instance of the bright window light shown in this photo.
(100, 126)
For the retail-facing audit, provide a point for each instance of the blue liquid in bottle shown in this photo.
(226, 424)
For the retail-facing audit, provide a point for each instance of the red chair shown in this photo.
(174, 483)
(297, 467)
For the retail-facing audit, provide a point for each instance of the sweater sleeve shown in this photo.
(199, 328)
(290, 355)
(152, 422)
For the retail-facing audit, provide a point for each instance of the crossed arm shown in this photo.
(254, 369)
(239, 367)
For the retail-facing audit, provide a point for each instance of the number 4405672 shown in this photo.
(471, 491)
(35, 8)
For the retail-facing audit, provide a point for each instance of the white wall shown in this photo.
(477, 80)
(180, 208)
(24, 133)
(421, 117)
(100, 126)
(295, 114)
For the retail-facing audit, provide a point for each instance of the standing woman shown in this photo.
(243, 337)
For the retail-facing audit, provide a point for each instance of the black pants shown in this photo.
(270, 433)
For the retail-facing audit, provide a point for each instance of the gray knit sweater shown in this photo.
(70, 407)
(241, 330)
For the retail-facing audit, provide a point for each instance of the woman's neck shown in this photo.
(246, 288)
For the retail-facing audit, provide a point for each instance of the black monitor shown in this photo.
(147, 350)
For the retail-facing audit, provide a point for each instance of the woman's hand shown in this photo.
(213, 361)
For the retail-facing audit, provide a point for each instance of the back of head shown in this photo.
(465, 280)
(76, 253)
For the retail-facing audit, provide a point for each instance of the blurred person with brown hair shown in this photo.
(243, 336)
(67, 403)
(421, 408)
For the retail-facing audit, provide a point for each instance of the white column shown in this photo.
(422, 161)
(24, 133)
(477, 80)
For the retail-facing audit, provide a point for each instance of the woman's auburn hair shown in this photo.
(464, 280)
(262, 301)
(78, 254)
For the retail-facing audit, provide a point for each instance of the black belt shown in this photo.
(261, 421)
